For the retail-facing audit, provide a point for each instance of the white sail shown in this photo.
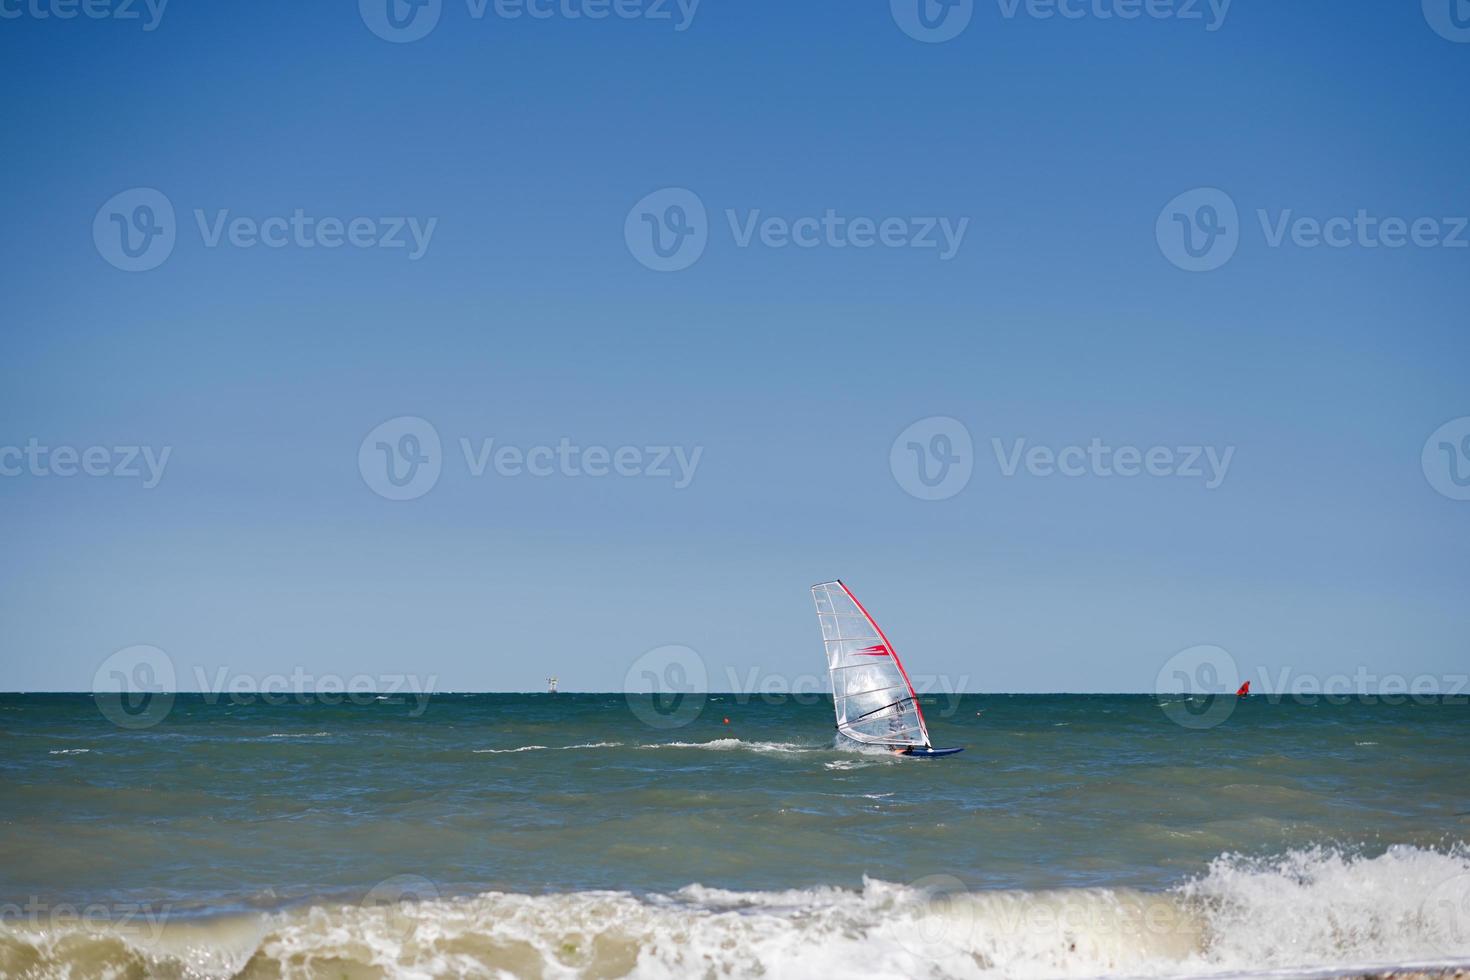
(871, 693)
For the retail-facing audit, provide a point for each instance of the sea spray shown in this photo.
(1306, 909)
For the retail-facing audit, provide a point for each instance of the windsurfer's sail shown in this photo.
(874, 701)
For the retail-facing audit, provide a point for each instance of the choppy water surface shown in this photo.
(1077, 835)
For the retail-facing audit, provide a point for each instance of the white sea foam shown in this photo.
(734, 745)
(1304, 913)
(549, 748)
(67, 751)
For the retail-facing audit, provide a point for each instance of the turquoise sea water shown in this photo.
(228, 813)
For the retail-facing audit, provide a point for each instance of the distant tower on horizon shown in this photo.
(551, 685)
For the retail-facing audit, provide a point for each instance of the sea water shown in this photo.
(575, 835)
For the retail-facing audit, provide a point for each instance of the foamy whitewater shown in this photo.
(519, 836)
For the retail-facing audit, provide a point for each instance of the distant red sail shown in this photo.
(1244, 690)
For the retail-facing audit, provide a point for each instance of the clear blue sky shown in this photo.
(527, 320)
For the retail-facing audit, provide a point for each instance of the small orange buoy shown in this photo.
(727, 721)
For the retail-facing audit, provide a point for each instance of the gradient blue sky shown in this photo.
(528, 320)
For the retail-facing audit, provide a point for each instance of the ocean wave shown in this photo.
(67, 751)
(549, 748)
(734, 745)
(1312, 910)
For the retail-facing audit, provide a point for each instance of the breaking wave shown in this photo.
(1305, 910)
